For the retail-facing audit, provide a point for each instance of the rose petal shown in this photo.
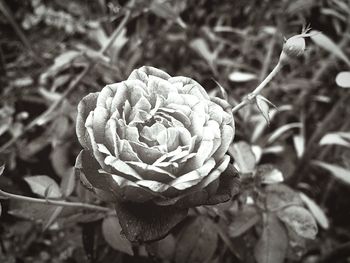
(190, 86)
(151, 172)
(227, 134)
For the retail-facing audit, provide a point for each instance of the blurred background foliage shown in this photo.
(50, 59)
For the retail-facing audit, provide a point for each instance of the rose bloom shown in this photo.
(155, 139)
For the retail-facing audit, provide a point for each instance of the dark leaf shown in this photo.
(88, 236)
(273, 243)
(197, 241)
(163, 249)
(146, 221)
(111, 230)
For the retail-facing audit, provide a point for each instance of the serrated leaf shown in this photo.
(244, 156)
(328, 44)
(111, 230)
(300, 220)
(299, 145)
(343, 79)
(40, 183)
(243, 221)
(273, 243)
(317, 212)
(336, 138)
(337, 171)
(268, 174)
(238, 76)
(197, 241)
(263, 107)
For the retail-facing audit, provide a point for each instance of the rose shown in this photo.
(156, 142)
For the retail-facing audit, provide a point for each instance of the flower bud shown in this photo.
(293, 47)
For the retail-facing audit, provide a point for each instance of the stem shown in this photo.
(54, 202)
(259, 88)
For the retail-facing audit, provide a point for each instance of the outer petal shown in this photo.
(145, 71)
(85, 106)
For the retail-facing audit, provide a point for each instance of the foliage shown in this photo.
(291, 145)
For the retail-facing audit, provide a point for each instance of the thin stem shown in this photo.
(54, 202)
(259, 88)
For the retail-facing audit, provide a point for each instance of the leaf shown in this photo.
(263, 107)
(343, 79)
(68, 183)
(326, 43)
(88, 236)
(317, 212)
(238, 76)
(277, 133)
(163, 249)
(148, 222)
(279, 196)
(40, 183)
(197, 241)
(299, 145)
(273, 243)
(339, 172)
(244, 156)
(111, 230)
(201, 47)
(300, 220)
(243, 221)
(2, 168)
(336, 138)
(164, 10)
(55, 214)
(268, 174)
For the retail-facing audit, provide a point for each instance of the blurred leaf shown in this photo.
(40, 183)
(244, 156)
(299, 145)
(326, 43)
(243, 220)
(317, 212)
(337, 171)
(263, 107)
(343, 79)
(337, 138)
(268, 174)
(201, 47)
(273, 243)
(279, 196)
(164, 10)
(2, 168)
(111, 230)
(88, 236)
(68, 182)
(60, 159)
(278, 132)
(163, 249)
(55, 214)
(238, 76)
(197, 241)
(300, 220)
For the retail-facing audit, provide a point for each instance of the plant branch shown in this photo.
(54, 202)
(258, 89)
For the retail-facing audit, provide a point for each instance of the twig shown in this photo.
(54, 202)
(258, 89)
(41, 119)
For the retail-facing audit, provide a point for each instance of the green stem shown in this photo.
(54, 202)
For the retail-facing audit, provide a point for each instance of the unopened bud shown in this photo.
(293, 47)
